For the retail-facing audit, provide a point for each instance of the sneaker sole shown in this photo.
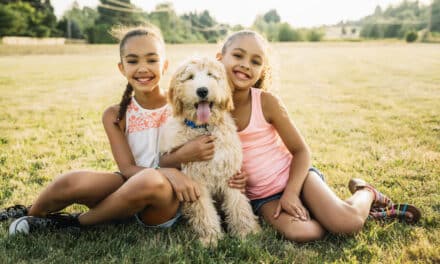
(19, 226)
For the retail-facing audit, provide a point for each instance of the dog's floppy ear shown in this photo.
(175, 103)
(228, 103)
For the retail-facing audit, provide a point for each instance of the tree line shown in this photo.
(36, 18)
(401, 21)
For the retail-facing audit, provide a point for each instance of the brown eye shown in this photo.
(212, 75)
(190, 77)
(255, 62)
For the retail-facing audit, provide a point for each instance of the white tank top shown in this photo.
(142, 129)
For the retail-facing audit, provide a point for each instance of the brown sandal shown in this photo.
(380, 200)
(404, 212)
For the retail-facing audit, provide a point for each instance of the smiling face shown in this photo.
(199, 91)
(244, 60)
(143, 62)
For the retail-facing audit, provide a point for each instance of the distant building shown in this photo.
(342, 32)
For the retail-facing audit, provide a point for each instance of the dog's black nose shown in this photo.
(202, 92)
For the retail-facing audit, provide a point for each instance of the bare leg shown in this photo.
(82, 187)
(148, 192)
(298, 231)
(336, 215)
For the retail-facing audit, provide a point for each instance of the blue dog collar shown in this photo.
(193, 125)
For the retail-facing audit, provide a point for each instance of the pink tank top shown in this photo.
(266, 159)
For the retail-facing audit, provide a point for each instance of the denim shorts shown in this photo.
(257, 203)
(166, 224)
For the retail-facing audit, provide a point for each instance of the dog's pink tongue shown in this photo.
(203, 112)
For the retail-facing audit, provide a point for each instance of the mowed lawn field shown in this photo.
(368, 110)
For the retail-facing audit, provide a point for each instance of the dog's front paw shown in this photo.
(255, 229)
(252, 228)
(210, 240)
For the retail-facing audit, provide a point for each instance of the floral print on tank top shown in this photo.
(142, 119)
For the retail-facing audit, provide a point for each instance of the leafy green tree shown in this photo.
(276, 31)
(118, 14)
(395, 21)
(392, 30)
(110, 14)
(411, 36)
(204, 24)
(272, 16)
(100, 34)
(79, 20)
(70, 29)
(173, 29)
(49, 19)
(435, 16)
(260, 24)
(35, 18)
(237, 28)
(376, 32)
(272, 31)
(315, 35)
(268, 25)
(190, 29)
(43, 24)
(287, 33)
(12, 21)
(209, 24)
(378, 11)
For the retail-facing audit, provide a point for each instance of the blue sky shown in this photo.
(298, 13)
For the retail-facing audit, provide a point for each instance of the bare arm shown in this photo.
(198, 149)
(118, 142)
(276, 114)
(185, 188)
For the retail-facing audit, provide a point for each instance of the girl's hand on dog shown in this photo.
(238, 181)
(199, 149)
(185, 188)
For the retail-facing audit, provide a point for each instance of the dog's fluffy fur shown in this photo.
(212, 176)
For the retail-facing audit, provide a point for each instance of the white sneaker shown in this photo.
(28, 224)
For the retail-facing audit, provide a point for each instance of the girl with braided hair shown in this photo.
(141, 188)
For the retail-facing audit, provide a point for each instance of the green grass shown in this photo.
(368, 110)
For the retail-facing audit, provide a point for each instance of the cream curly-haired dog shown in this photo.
(201, 99)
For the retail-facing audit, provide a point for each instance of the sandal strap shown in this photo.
(401, 212)
(380, 200)
(405, 212)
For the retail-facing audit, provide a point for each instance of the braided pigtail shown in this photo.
(125, 101)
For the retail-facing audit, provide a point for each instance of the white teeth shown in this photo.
(144, 79)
